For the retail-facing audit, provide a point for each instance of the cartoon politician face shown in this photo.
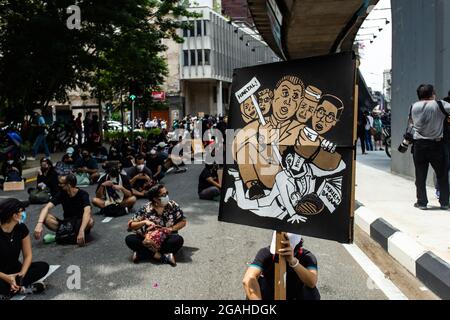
(248, 110)
(309, 104)
(265, 98)
(327, 114)
(288, 94)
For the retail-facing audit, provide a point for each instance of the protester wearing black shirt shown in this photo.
(114, 188)
(156, 164)
(76, 206)
(17, 277)
(301, 278)
(47, 177)
(141, 177)
(208, 185)
(87, 164)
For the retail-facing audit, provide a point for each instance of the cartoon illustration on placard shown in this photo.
(288, 170)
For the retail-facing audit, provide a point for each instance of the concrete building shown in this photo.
(387, 88)
(237, 10)
(421, 54)
(201, 69)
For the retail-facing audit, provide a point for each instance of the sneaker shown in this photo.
(31, 158)
(170, 169)
(445, 208)
(168, 259)
(35, 288)
(181, 170)
(49, 238)
(421, 207)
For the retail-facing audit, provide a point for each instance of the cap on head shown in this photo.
(10, 206)
(70, 151)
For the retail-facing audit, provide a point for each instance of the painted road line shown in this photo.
(31, 180)
(106, 220)
(52, 269)
(378, 277)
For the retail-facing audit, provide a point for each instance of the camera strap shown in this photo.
(441, 106)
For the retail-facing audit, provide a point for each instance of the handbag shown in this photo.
(67, 231)
(83, 179)
(38, 196)
(154, 238)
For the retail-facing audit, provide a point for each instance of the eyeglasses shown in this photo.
(329, 117)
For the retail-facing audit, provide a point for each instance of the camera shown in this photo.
(407, 141)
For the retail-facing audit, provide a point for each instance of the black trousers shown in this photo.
(172, 244)
(425, 153)
(36, 271)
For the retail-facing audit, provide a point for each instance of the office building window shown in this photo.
(199, 57)
(192, 57)
(185, 33)
(207, 53)
(199, 28)
(191, 30)
(185, 58)
(205, 29)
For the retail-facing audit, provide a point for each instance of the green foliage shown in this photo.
(41, 59)
(112, 135)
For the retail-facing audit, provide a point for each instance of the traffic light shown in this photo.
(135, 90)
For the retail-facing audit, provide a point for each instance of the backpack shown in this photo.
(83, 179)
(446, 123)
(113, 210)
(68, 231)
(39, 196)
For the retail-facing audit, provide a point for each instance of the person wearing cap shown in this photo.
(156, 164)
(301, 277)
(76, 207)
(41, 133)
(16, 276)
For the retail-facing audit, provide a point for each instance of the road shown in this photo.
(210, 266)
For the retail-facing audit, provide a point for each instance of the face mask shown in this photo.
(164, 200)
(10, 161)
(140, 167)
(24, 217)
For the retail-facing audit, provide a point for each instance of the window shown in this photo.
(199, 28)
(185, 58)
(207, 52)
(191, 30)
(225, 95)
(185, 33)
(192, 57)
(214, 94)
(205, 30)
(199, 57)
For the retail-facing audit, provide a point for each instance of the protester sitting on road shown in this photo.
(301, 278)
(76, 208)
(128, 157)
(156, 164)
(87, 165)
(163, 217)
(66, 165)
(208, 183)
(11, 170)
(174, 160)
(15, 276)
(141, 177)
(47, 177)
(114, 188)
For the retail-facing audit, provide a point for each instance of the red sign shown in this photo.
(159, 95)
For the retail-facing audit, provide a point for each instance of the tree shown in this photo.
(41, 59)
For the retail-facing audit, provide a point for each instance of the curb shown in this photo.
(431, 270)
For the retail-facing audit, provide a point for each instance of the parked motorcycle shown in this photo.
(11, 144)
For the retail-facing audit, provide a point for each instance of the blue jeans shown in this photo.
(369, 145)
(40, 140)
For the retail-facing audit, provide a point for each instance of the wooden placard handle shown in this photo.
(280, 270)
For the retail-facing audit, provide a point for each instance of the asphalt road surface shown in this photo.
(210, 265)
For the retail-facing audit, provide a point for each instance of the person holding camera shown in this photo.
(301, 278)
(426, 133)
(15, 276)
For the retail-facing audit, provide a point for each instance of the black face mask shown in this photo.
(114, 172)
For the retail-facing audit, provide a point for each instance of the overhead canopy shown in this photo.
(297, 29)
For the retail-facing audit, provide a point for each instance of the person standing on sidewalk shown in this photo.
(427, 117)
(368, 129)
(41, 134)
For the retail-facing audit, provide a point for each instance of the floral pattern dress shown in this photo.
(171, 215)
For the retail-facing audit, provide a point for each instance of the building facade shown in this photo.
(201, 68)
(422, 56)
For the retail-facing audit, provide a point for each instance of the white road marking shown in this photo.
(52, 269)
(378, 277)
(106, 220)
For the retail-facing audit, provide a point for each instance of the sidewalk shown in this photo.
(387, 200)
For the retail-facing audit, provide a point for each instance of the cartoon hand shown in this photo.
(328, 146)
(297, 219)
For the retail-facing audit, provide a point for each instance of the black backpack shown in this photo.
(113, 210)
(68, 231)
(446, 123)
